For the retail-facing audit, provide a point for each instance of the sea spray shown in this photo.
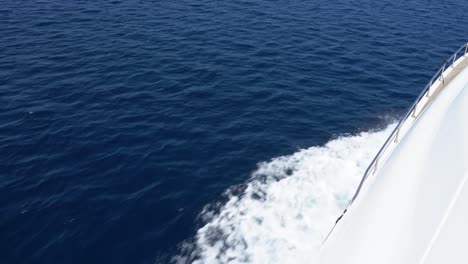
(284, 212)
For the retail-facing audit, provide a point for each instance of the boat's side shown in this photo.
(411, 209)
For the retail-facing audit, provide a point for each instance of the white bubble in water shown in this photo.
(288, 207)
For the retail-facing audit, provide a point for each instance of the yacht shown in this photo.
(412, 203)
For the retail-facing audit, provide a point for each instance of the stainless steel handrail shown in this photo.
(426, 92)
(438, 76)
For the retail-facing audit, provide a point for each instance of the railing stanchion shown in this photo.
(397, 134)
(375, 165)
(442, 74)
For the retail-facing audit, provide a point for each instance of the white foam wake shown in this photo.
(288, 207)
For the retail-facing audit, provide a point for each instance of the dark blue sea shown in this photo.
(181, 131)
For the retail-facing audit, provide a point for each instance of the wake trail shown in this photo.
(288, 206)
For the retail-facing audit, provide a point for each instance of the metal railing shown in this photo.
(413, 113)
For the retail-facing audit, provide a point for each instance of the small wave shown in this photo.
(284, 212)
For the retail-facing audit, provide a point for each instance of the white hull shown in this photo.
(413, 205)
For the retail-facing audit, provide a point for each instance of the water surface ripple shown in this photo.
(121, 120)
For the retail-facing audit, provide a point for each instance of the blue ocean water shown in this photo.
(121, 120)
